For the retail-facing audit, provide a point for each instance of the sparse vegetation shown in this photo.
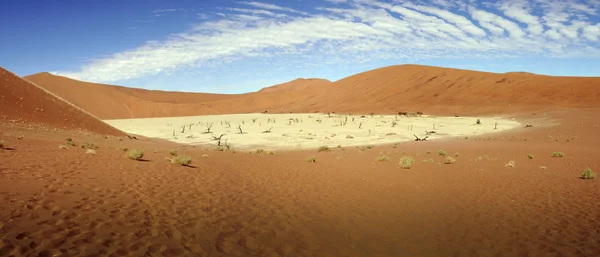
(442, 153)
(260, 151)
(135, 154)
(588, 174)
(530, 156)
(558, 154)
(449, 160)
(406, 162)
(173, 153)
(181, 160)
(382, 158)
(456, 154)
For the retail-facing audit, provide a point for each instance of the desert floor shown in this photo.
(66, 202)
(308, 131)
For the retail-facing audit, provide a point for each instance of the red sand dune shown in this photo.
(22, 101)
(386, 90)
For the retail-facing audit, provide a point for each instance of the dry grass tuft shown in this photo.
(324, 149)
(510, 164)
(449, 160)
(135, 154)
(181, 160)
(588, 174)
(406, 162)
(382, 158)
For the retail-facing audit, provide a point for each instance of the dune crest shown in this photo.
(23, 101)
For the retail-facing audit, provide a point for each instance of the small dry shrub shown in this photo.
(173, 153)
(442, 153)
(324, 149)
(135, 154)
(530, 156)
(510, 164)
(2, 144)
(181, 160)
(406, 162)
(382, 158)
(449, 160)
(90, 151)
(311, 159)
(588, 174)
(558, 154)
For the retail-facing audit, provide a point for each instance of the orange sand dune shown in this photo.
(387, 90)
(22, 101)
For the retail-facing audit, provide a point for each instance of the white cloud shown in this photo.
(592, 32)
(271, 7)
(362, 31)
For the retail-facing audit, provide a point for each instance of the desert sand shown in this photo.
(306, 131)
(505, 194)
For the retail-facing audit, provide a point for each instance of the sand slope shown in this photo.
(412, 88)
(25, 102)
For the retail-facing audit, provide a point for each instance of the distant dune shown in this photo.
(22, 101)
(386, 90)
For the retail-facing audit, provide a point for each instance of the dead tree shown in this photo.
(329, 115)
(420, 139)
(208, 127)
(239, 127)
(227, 145)
(182, 128)
(394, 123)
(254, 120)
(218, 139)
(478, 122)
(429, 132)
(267, 131)
(228, 124)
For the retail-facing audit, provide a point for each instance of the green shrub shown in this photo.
(181, 160)
(449, 160)
(135, 154)
(558, 154)
(442, 153)
(406, 162)
(588, 174)
(173, 153)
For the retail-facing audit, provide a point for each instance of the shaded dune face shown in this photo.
(389, 90)
(22, 101)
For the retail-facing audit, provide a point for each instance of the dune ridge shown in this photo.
(24, 101)
(387, 90)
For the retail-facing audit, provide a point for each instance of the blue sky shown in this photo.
(225, 46)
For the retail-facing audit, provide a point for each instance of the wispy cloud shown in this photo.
(361, 31)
